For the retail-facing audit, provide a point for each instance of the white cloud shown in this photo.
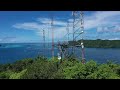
(106, 29)
(114, 39)
(117, 28)
(47, 21)
(28, 26)
(102, 21)
(31, 26)
(103, 29)
(44, 20)
(59, 31)
(8, 39)
(0, 39)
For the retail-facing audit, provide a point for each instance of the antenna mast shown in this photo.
(67, 29)
(52, 37)
(43, 43)
(44, 39)
(73, 48)
(78, 30)
(82, 31)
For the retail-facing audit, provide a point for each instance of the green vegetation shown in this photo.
(100, 43)
(42, 68)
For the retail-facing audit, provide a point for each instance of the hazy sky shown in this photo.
(27, 26)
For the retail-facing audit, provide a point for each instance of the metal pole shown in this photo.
(73, 49)
(52, 38)
(82, 31)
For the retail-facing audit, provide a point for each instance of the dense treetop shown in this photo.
(43, 68)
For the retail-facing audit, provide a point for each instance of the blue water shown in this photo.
(10, 53)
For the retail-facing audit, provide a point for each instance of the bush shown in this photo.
(5, 74)
(91, 67)
(41, 70)
(104, 71)
(21, 64)
(17, 75)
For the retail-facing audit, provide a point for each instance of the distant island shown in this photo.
(100, 43)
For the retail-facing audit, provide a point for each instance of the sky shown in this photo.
(28, 26)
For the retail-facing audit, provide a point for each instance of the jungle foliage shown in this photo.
(43, 68)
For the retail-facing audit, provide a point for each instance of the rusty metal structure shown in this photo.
(65, 48)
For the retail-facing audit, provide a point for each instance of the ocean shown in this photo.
(11, 52)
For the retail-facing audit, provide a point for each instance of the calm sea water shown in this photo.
(10, 53)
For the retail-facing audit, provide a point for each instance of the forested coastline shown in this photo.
(100, 43)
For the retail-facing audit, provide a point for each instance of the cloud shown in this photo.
(114, 39)
(101, 21)
(47, 21)
(117, 28)
(44, 20)
(34, 26)
(106, 29)
(103, 29)
(28, 26)
(8, 39)
(0, 39)
(44, 23)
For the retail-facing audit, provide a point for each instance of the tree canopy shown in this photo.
(43, 68)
